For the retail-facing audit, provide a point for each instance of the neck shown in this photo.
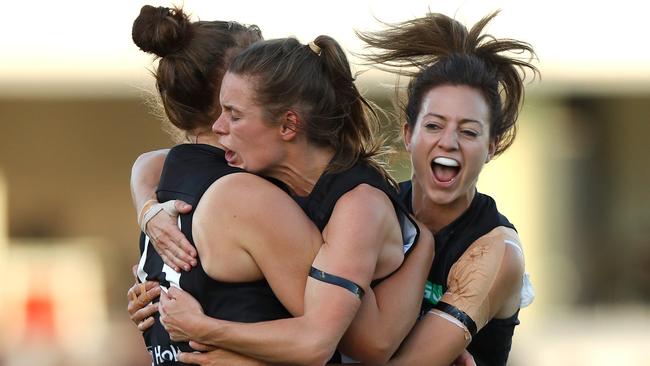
(302, 167)
(436, 216)
(201, 136)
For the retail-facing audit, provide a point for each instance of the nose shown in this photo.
(448, 139)
(220, 126)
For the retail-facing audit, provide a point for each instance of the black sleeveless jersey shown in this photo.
(320, 202)
(187, 173)
(491, 345)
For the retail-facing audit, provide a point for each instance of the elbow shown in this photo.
(376, 354)
(370, 350)
(313, 351)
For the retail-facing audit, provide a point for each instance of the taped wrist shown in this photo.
(168, 206)
(337, 281)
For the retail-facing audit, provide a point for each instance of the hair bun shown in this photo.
(160, 30)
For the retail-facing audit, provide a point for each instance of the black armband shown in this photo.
(336, 281)
(460, 315)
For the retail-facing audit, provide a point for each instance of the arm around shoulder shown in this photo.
(389, 311)
(145, 176)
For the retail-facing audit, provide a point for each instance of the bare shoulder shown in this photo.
(364, 199)
(240, 191)
(486, 275)
(504, 242)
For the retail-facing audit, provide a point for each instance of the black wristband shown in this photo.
(336, 281)
(458, 314)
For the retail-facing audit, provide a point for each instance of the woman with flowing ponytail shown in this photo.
(463, 100)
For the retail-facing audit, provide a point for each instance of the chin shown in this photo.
(441, 198)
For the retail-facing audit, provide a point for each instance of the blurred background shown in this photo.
(73, 119)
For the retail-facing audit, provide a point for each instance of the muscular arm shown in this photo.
(387, 315)
(485, 279)
(353, 239)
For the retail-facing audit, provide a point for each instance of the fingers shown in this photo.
(182, 206)
(174, 248)
(172, 259)
(185, 250)
(182, 252)
(146, 324)
(143, 313)
(141, 294)
(134, 270)
(201, 347)
(192, 358)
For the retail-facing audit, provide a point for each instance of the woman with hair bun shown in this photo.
(253, 241)
(464, 96)
(237, 276)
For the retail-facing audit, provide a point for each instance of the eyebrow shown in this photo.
(230, 107)
(464, 120)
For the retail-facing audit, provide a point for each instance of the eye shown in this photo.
(469, 133)
(432, 126)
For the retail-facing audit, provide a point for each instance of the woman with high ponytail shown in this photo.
(463, 100)
(291, 112)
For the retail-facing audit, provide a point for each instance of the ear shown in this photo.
(408, 134)
(491, 149)
(289, 125)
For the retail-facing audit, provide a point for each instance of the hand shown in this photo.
(465, 359)
(179, 314)
(140, 306)
(174, 249)
(215, 356)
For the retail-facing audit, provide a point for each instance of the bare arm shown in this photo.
(145, 176)
(353, 239)
(387, 316)
(483, 280)
(170, 243)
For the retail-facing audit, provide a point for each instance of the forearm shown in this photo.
(145, 176)
(307, 340)
(286, 341)
(387, 316)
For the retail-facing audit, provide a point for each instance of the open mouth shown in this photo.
(445, 170)
(229, 155)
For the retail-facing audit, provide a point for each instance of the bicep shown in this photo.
(483, 279)
(353, 239)
(355, 235)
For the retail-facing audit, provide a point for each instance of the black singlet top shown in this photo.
(329, 188)
(187, 173)
(491, 345)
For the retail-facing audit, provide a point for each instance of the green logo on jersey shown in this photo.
(432, 292)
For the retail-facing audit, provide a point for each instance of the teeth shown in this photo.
(446, 161)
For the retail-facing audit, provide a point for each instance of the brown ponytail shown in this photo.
(315, 80)
(437, 50)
